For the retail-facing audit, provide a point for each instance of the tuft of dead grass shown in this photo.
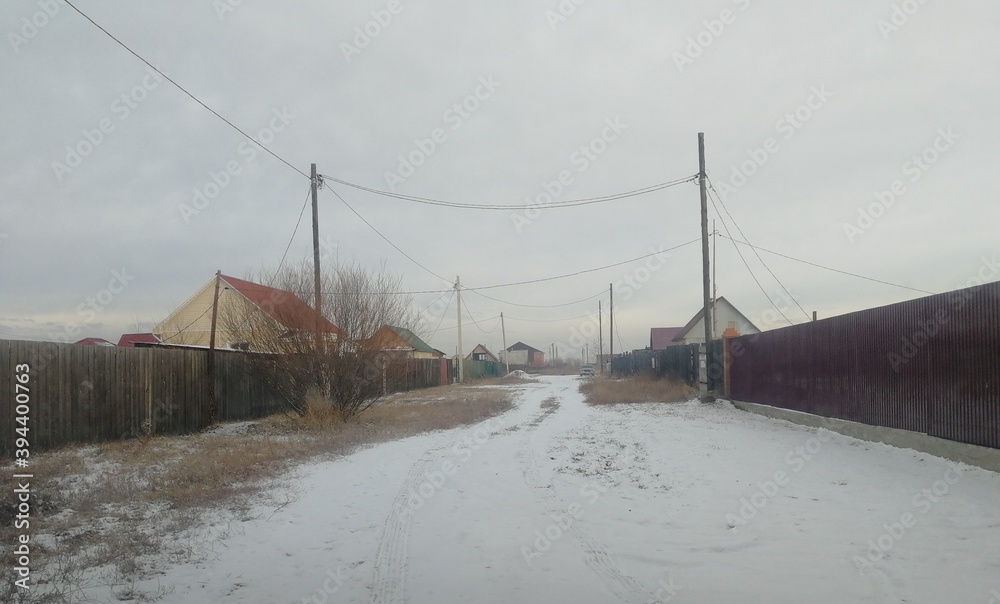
(636, 389)
(105, 510)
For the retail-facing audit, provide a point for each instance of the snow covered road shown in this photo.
(557, 502)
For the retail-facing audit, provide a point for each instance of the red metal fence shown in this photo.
(929, 365)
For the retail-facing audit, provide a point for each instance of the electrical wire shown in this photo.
(384, 238)
(600, 293)
(185, 328)
(583, 272)
(747, 265)
(292, 238)
(185, 91)
(551, 205)
(835, 270)
(743, 235)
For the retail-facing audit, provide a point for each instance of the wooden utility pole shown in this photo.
(316, 288)
(461, 368)
(503, 331)
(600, 337)
(707, 294)
(211, 350)
(611, 330)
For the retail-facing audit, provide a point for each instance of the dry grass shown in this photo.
(106, 509)
(636, 389)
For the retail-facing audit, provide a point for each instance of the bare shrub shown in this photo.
(635, 389)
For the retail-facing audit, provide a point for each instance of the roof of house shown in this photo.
(406, 336)
(93, 342)
(129, 340)
(662, 337)
(698, 315)
(286, 308)
(523, 346)
(481, 350)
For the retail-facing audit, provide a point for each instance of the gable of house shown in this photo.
(725, 313)
(243, 306)
(481, 353)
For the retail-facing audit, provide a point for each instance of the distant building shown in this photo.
(129, 340)
(403, 342)
(522, 355)
(93, 342)
(482, 353)
(726, 316)
(661, 338)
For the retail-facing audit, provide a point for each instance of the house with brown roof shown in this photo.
(400, 341)
(244, 309)
(93, 342)
(523, 355)
(482, 353)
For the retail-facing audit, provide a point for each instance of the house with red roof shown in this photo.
(129, 340)
(244, 309)
(724, 316)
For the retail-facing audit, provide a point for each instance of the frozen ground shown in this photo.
(558, 502)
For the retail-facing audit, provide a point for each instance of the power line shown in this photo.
(292, 238)
(835, 270)
(552, 205)
(766, 267)
(441, 320)
(747, 265)
(600, 293)
(384, 238)
(590, 270)
(185, 91)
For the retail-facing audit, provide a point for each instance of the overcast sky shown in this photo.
(809, 109)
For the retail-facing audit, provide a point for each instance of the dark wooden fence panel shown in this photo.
(929, 365)
(85, 394)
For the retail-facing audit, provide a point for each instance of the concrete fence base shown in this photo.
(984, 457)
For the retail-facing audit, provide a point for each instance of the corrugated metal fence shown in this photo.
(929, 365)
(676, 362)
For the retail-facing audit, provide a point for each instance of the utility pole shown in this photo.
(503, 330)
(611, 330)
(316, 288)
(211, 350)
(458, 289)
(600, 337)
(707, 315)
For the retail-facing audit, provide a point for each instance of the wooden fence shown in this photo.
(88, 394)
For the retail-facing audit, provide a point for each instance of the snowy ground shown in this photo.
(557, 502)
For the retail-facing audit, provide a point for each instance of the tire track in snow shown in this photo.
(391, 559)
(625, 587)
